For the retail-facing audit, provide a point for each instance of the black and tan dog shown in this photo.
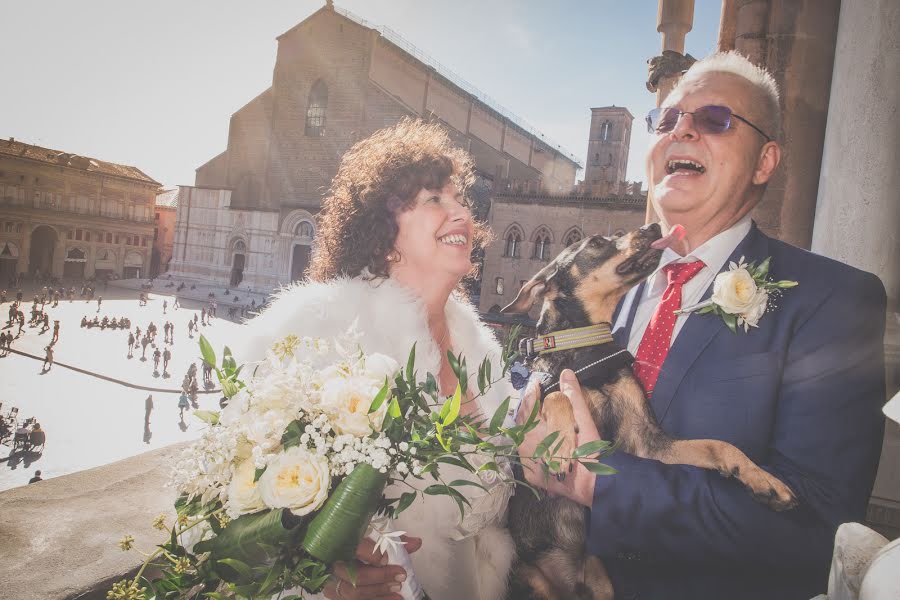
(579, 291)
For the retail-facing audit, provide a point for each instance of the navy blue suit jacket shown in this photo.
(801, 396)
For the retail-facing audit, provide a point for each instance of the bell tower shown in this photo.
(607, 156)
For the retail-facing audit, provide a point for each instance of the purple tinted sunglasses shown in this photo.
(707, 119)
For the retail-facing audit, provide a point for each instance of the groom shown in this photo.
(800, 394)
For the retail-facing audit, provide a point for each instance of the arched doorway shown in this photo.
(237, 263)
(9, 258)
(302, 249)
(74, 265)
(133, 264)
(43, 242)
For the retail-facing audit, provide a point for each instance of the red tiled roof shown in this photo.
(14, 148)
(167, 198)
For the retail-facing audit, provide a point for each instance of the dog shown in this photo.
(579, 291)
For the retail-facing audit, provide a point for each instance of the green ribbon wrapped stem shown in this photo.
(337, 529)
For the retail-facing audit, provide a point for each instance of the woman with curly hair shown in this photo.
(395, 240)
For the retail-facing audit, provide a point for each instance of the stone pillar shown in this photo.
(25, 250)
(858, 211)
(59, 256)
(674, 19)
(727, 26)
(794, 40)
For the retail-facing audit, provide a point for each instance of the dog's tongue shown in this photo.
(676, 234)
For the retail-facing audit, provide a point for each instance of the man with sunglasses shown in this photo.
(800, 393)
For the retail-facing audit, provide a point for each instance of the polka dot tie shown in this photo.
(654, 347)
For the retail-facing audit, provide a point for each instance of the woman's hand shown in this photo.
(579, 484)
(375, 579)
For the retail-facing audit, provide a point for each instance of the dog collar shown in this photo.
(566, 339)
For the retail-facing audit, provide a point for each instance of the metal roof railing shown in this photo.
(395, 38)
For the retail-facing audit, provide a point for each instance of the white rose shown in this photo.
(243, 492)
(380, 366)
(347, 402)
(757, 309)
(735, 291)
(295, 479)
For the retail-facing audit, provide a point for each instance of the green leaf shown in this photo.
(463, 482)
(463, 374)
(599, 468)
(240, 567)
(487, 371)
(431, 386)
(499, 416)
(545, 444)
(482, 383)
(258, 473)
(762, 271)
(590, 448)
(394, 408)
(457, 461)
(380, 396)
(207, 416)
(489, 466)
(206, 351)
(450, 410)
(291, 435)
(731, 321)
(405, 501)
(454, 363)
(239, 540)
(786, 283)
(411, 365)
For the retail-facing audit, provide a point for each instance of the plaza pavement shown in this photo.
(91, 421)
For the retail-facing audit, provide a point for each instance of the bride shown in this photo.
(394, 242)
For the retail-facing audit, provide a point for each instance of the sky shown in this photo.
(154, 84)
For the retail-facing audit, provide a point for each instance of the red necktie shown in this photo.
(654, 347)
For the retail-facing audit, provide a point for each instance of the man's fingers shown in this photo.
(369, 575)
(412, 543)
(366, 552)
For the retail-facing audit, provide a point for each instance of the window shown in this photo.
(78, 234)
(8, 227)
(70, 235)
(156, 216)
(109, 238)
(605, 131)
(572, 237)
(542, 245)
(498, 286)
(315, 109)
(513, 244)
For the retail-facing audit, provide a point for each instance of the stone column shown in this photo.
(858, 209)
(727, 25)
(795, 41)
(674, 19)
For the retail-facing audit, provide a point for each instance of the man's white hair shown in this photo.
(761, 80)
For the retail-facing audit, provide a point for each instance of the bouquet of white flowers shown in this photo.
(290, 473)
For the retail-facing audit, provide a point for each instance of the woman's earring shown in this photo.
(393, 256)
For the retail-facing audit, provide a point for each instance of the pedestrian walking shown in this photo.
(48, 359)
(148, 408)
(183, 405)
(191, 329)
(37, 477)
(99, 302)
(130, 344)
(156, 356)
(167, 356)
(203, 315)
(165, 306)
(145, 341)
(177, 304)
(21, 323)
(207, 372)
(3, 342)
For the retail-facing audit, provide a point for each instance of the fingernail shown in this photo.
(395, 587)
(401, 577)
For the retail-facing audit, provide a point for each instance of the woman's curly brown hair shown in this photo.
(377, 178)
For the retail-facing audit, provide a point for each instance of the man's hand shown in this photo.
(375, 579)
(579, 484)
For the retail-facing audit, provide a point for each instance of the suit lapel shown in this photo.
(699, 331)
(629, 301)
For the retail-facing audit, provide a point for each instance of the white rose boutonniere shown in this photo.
(741, 294)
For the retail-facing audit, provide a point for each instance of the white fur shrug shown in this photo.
(468, 559)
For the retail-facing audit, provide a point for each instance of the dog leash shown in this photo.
(580, 370)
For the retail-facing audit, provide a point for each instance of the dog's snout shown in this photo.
(652, 228)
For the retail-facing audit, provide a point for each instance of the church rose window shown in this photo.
(315, 111)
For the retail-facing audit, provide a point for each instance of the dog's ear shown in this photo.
(533, 289)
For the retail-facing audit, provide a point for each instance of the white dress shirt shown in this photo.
(714, 253)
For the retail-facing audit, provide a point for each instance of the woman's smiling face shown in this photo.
(435, 235)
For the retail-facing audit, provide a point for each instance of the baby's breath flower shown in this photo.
(223, 519)
(160, 523)
(126, 590)
(127, 542)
